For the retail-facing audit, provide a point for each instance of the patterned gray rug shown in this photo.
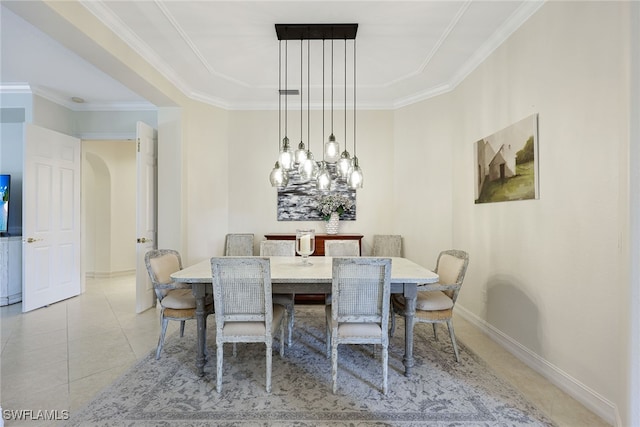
(440, 392)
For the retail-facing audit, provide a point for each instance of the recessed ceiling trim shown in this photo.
(445, 34)
(436, 47)
(194, 49)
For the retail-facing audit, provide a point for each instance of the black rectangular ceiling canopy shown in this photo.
(316, 31)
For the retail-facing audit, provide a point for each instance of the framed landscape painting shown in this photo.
(507, 163)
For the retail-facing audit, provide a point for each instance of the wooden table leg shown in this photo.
(410, 294)
(199, 292)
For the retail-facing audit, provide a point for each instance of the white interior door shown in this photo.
(50, 217)
(146, 216)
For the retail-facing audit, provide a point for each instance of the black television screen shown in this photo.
(5, 184)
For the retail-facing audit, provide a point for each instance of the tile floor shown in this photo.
(58, 357)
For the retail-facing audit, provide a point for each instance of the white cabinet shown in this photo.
(10, 270)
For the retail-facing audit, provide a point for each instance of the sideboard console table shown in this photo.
(319, 251)
(320, 239)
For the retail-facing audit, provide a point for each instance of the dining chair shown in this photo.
(387, 245)
(282, 248)
(176, 300)
(238, 244)
(436, 305)
(359, 313)
(341, 248)
(243, 307)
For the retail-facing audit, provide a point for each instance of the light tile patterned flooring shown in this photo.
(59, 357)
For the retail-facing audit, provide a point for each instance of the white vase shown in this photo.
(333, 224)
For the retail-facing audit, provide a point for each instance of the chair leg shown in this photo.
(269, 349)
(328, 339)
(282, 337)
(163, 331)
(219, 360)
(453, 339)
(435, 336)
(290, 322)
(334, 367)
(235, 350)
(182, 322)
(385, 367)
(393, 323)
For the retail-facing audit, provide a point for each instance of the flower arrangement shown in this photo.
(329, 203)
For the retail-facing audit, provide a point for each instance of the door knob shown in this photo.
(143, 240)
(31, 240)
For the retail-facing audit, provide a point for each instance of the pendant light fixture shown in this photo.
(301, 152)
(355, 178)
(332, 147)
(302, 158)
(323, 182)
(308, 168)
(286, 157)
(279, 177)
(344, 163)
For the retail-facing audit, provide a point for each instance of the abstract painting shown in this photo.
(298, 200)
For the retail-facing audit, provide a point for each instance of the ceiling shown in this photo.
(225, 53)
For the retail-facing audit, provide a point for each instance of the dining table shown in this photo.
(290, 275)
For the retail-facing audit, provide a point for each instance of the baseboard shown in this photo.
(108, 275)
(592, 400)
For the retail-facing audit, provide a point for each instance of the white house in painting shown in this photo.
(503, 164)
(492, 164)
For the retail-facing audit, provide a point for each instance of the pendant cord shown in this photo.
(286, 93)
(279, 93)
(301, 90)
(323, 93)
(345, 94)
(308, 95)
(331, 86)
(354, 98)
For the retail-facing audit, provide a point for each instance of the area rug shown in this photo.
(440, 391)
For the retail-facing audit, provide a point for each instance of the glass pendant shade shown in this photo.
(344, 164)
(355, 175)
(308, 169)
(286, 157)
(278, 176)
(323, 182)
(301, 154)
(331, 150)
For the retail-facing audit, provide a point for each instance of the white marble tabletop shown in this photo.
(291, 270)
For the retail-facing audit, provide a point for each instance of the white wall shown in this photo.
(170, 168)
(204, 204)
(253, 150)
(111, 124)
(548, 276)
(423, 178)
(52, 116)
(109, 190)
